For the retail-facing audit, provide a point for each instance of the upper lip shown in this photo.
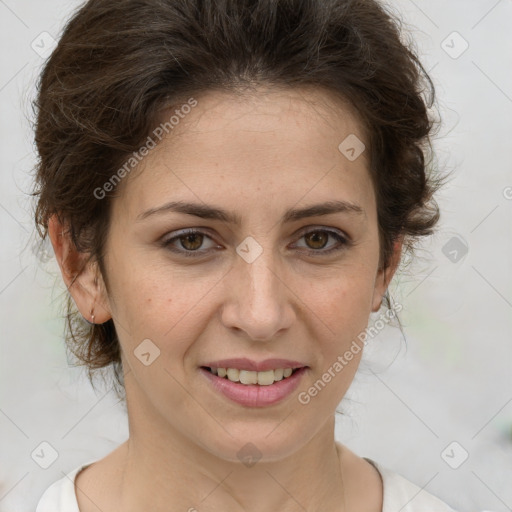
(243, 363)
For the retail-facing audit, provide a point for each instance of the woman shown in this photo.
(229, 187)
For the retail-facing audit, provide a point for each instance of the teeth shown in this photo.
(249, 377)
(265, 378)
(233, 374)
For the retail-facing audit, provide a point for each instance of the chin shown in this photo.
(250, 447)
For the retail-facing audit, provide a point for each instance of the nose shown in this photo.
(258, 298)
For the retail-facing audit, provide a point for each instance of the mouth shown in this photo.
(250, 388)
(253, 378)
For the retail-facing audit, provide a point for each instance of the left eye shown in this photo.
(192, 240)
(318, 238)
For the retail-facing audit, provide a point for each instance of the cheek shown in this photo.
(161, 304)
(344, 302)
(344, 310)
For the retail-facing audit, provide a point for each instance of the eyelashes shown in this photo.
(189, 235)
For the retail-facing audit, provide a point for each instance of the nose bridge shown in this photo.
(261, 277)
(259, 304)
(258, 271)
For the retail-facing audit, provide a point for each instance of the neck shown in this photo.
(165, 470)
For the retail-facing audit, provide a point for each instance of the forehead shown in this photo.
(249, 147)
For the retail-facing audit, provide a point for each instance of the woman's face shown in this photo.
(275, 285)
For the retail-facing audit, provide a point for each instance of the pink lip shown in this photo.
(255, 395)
(247, 364)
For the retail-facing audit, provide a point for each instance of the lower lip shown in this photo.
(254, 395)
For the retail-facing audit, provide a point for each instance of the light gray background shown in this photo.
(453, 383)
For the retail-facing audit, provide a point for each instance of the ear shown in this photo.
(385, 275)
(82, 278)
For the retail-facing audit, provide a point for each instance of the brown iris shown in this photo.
(190, 237)
(317, 236)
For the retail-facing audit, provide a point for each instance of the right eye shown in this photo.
(190, 241)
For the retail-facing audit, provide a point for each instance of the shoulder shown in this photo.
(61, 496)
(401, 494)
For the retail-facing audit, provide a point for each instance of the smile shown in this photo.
(251, 388)
(249, 377)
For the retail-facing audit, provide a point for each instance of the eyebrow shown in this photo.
(205, 211)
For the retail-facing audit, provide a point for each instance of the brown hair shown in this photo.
(120, 63)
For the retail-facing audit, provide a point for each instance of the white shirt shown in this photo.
(400, 495)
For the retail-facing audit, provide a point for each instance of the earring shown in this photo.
(90, 322)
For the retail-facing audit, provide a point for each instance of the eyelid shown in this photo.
(329, 229)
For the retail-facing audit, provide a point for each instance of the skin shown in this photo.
(256, 155)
